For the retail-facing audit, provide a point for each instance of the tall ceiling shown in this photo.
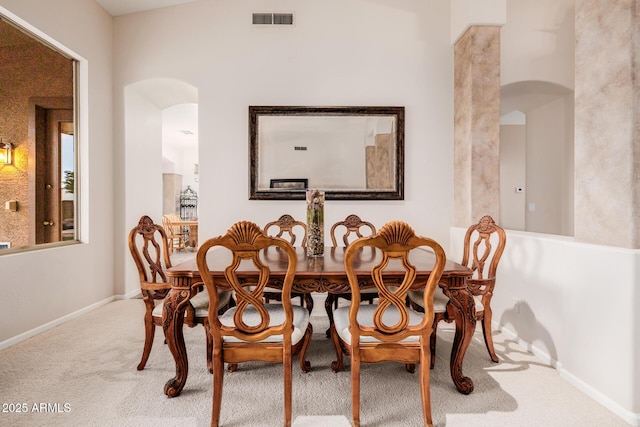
(123, 7)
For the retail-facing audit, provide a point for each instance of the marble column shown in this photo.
(607, 122)
(477, 125)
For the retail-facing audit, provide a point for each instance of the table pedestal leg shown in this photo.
(464, 315)
(172, 321)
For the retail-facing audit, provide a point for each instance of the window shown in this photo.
(38, 192)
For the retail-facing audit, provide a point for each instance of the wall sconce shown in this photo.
(6, 153)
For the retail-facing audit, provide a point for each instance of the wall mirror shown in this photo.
(38, 148)
(352, 153)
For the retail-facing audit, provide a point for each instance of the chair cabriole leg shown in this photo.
(488, 338)
(355, 387)
(149, 333)
(218, 378)
(425, 387)
(336, 366)
(287, 386)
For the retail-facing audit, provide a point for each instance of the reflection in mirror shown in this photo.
(38, 197)
(352, 153)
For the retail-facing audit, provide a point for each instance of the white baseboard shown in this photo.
(133, 294)
(629, 417)
(40, 329)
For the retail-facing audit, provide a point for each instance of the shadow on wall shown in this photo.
(541, 344)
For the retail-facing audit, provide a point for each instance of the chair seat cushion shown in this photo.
(200, 303)
(366, 291)
(268, 290)
(365, 318)
(276, 317)
(440, 300)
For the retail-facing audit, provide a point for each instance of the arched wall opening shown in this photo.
(179, 157)
(536, 157)
(148, 106)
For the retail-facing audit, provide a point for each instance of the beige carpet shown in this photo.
(84, 372)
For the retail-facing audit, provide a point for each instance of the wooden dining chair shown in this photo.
(484, 243)
(149, 248)
(351, 228)
(286, 225)
(388, 330)
(253, 330)
(176, 234)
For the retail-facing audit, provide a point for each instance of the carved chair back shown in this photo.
(149, 248)
(246, 242)
(395, 241)
(354, 228)
(352, 225)
(286, 224)
(484, 244)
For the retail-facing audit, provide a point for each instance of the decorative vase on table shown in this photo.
(315, 223)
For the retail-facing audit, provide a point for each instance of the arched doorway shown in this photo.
(148, 104)
(536, 157)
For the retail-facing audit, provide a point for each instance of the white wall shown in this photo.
(371, 53)
(189, 177)
(178, 147)
(465, 13)
(143, 162)
(538, 42)
(549, 162)
(78, 276)
(143, 173)
(574, 305)
(513, 143)
(171, 160)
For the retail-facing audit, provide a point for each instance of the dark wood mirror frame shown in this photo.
(396, 192)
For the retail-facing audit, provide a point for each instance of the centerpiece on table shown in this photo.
(315, 223)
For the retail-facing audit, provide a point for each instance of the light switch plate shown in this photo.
(11, 206)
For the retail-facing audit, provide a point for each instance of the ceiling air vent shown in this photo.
(273, 19)
(283, 19)
(262, 18)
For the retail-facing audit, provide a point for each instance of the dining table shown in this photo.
(324, 273)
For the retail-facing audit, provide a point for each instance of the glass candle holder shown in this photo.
(315, 223)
